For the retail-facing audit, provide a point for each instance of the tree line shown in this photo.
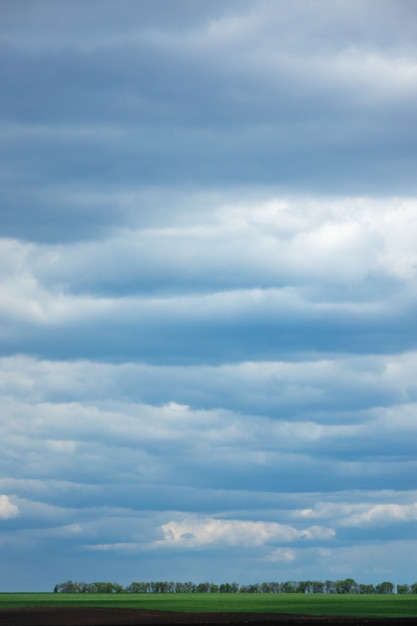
(346, 586)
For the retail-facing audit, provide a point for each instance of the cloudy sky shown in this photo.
(208, 346)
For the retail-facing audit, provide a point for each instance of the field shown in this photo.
(317, 604)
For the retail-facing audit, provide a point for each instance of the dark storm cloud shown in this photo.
(226, 95)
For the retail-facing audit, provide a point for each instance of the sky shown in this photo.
(208, 344)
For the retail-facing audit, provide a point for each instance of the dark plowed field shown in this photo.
(60, 616)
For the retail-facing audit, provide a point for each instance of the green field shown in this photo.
(317, 604)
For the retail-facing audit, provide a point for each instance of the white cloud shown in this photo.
(281, 555)
(193, 533)
(271, 239)
(62, 447)
(274, 259)
(374, 509)
(8, 510)
(382, 514)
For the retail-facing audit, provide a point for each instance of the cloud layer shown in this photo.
(208, 349)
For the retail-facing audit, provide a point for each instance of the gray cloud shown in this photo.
(305, 98)
(285, 274)
(207, 290)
